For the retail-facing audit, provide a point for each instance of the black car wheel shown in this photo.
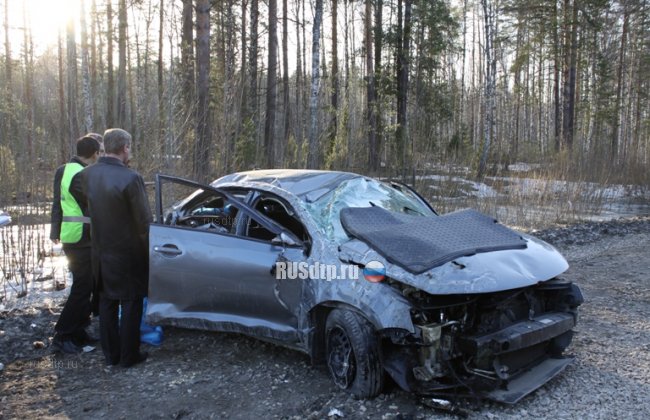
(353, 354)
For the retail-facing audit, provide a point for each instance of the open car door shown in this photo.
(204, 275)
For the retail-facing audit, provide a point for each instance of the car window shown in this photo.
(212, 209)
(282, 214)
(206, 211)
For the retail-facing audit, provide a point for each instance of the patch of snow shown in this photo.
(523, 167)
(477, 189)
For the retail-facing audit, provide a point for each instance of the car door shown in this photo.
(212, 278)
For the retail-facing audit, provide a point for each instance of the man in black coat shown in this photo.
(120, 214)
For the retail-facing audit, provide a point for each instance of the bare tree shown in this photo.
(403, 50)
(371, 116)
(63, 129)
(490, 27)
(188, 71)
(28, 52)
(616, 115)
(7, 119)
(95, 56)
(161, 82)
(121, 72)
(570, 58)
(110, 88)
(252, 62)
(285, 78)
(334, 101)
(203, 132)
(271, 85)
(73, 124)
(85, 73)
(313, 158)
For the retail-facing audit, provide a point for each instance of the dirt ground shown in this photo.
(214, 375)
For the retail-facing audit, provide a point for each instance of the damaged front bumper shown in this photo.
(518, 359)
(490, 358)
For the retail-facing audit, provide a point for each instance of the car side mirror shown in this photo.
(285, 240)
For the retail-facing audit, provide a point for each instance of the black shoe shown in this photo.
(65, 346)
(139, 359)
(112, 363)
(84, 339)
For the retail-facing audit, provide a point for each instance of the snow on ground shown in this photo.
(40, 277)
(473, 188)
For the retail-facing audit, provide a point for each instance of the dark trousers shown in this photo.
(120, 338)
(75, 316)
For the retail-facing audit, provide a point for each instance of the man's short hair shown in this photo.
(88, 145)
(115, 139)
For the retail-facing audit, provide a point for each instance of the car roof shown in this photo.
(307, 184)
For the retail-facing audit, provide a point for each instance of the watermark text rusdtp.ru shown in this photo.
(54, 363)
(288, 270)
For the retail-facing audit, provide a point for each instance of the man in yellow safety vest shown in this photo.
(71, 228)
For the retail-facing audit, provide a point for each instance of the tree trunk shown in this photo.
(93, 60)
(271, 85)
(373, 150)
(557, 122)
(161, 82)
(7, 125)
(63, 151)
(85, 73)
(489, 16)
(29, 85)
(73, 124)
(299, 81)
(252, 62)
(110, 88)
(313, 158)
(187, 71)
(230, 116)
(402, 69)
(286, 102)
(335, 75)
(243, 90)
(616, 117)
(121, 72)
(571, 15)
(378, 77)
(203, 132)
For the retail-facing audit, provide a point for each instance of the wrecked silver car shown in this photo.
(443, 304)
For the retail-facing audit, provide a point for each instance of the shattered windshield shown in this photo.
(361, 192)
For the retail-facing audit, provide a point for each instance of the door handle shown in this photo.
(167, 249)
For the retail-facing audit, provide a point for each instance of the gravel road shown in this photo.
(201, 375)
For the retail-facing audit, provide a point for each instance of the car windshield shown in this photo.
(361, 192)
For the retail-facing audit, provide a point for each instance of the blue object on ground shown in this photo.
(148, 333)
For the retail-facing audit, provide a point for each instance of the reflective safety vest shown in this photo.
(73, 218)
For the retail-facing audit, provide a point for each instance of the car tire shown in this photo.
(353, 354)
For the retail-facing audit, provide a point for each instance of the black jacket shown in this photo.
(57, 212)
(120, 213)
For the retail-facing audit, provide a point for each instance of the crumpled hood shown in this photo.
(480, 273)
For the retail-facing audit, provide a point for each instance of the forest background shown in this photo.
(401, 89)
